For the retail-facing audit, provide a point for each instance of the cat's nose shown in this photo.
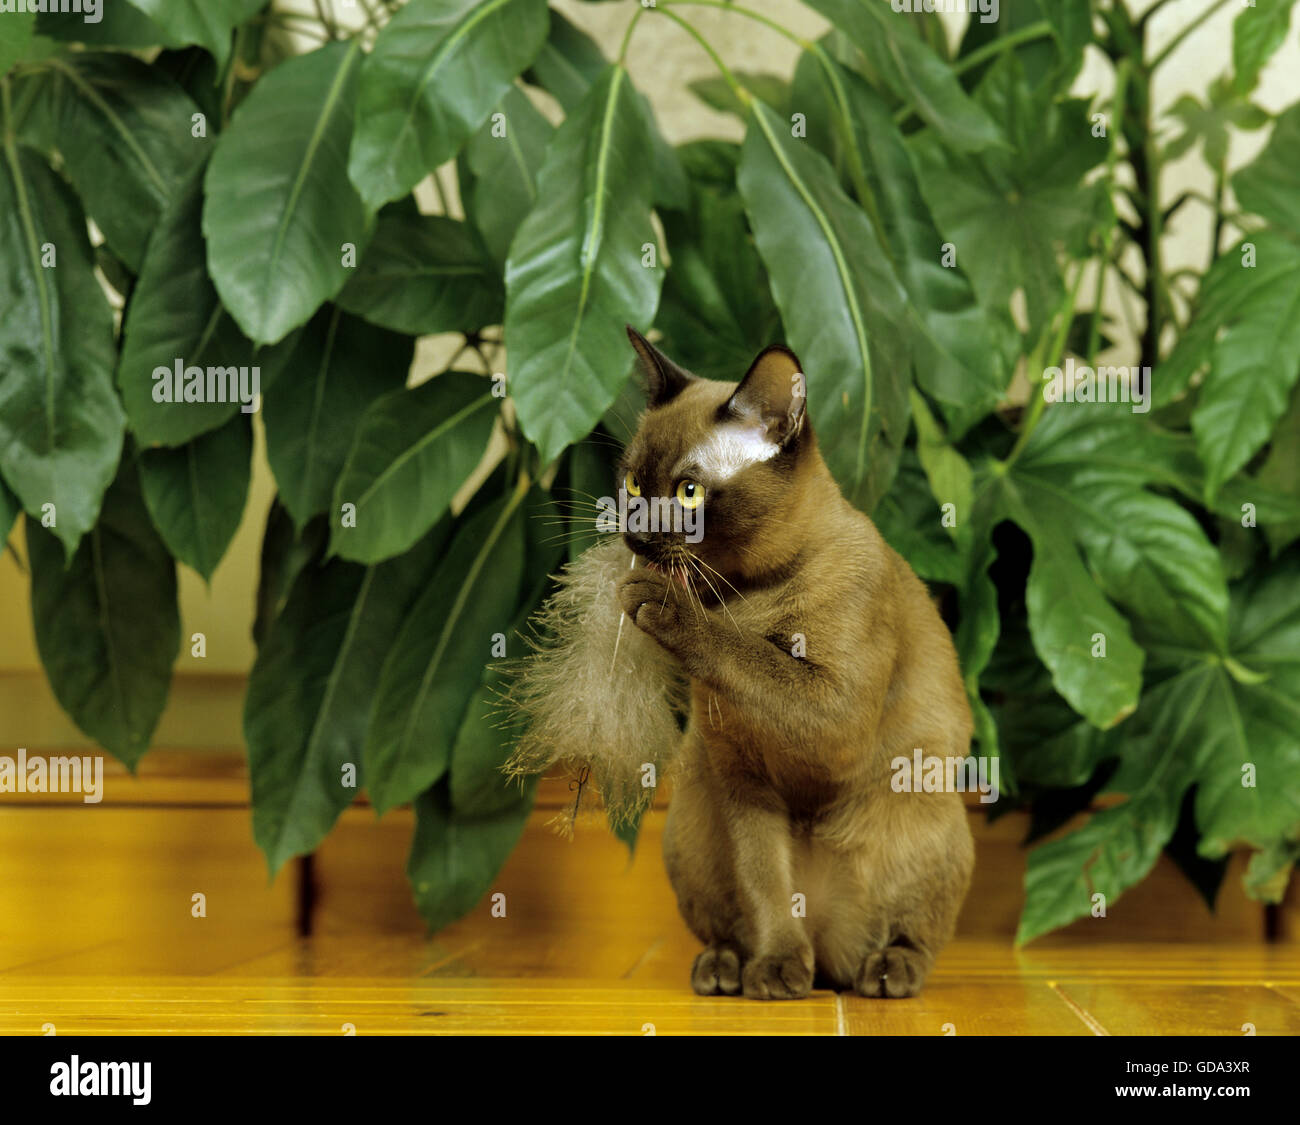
(639, 541)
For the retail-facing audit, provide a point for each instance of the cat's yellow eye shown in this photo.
(632, 485)
(690, 494)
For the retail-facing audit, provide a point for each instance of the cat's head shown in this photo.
(719, 471)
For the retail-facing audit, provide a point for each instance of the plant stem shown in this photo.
(1220, 188)
(742, 95)
(326, 21)
(1039, 401)
(1116, 128)
(627, 35)
(1177, 40)
(844, 120)
(1039, 30)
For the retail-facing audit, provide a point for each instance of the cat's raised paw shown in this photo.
(716, 971)
(892, 972)
(782, 976)
(649, 600)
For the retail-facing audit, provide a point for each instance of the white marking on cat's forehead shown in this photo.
(728, 450)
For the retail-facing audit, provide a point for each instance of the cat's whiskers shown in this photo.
(722, 602)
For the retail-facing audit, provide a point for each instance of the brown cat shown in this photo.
(816, 658)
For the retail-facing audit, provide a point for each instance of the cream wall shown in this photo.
(204, 711)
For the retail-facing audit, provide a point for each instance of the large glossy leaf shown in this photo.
(279, 208)
(310, 690)
(567, 66)
(209, 23)
(196, 493)
(840, 302)
(963, 353)
(1053, 59)
(576, 273)
(504, 157)
(9, 509)
(175, 314)
(716, 313)
(15, 37)
(1010, 212)
(285, 553)
(1212, 715)
(339, 368)
(107, 626)
(437, 70)
(424, 274)
(437, 662)
(413, 449)
(126, 138)
(120, 25)
(60, 422)
(454, 856)
(914, 72)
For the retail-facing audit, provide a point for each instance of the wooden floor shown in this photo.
(96, 936)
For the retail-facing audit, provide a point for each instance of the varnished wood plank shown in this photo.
(984, 1007)
(1186, 1008)
(146, 1006)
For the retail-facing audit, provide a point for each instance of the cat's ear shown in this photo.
(772, 394)
(664, 380)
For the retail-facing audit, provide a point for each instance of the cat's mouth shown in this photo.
(679, 575)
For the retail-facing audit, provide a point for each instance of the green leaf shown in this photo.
(284, 554)
(60, 423)
(1010, 213)
(568, 65)
(175, 314)
(16, 31)
(575, 275)
(964, 354)
(412, 451)
(716, 92)
(504, 159)
(948, 471)
(1222, 723)
(1054, 60)
(107, 626)
(9, 509)
(716, 313)
(424, 274)
(208, 23)
(340, 367)
(914, 72)
(279, 209)
(1257, 32)
(839, 299)
(308, 706)
(436, 71)
(1282, 471)
(1270, 185)
(125, 135)
(120, 25)
(1253, 368)
(437, 662)
(1259, 271)
(484, 742)
(196, 493)
(454, 857)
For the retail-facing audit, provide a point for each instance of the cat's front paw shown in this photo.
(779, 976)
(892, 972)
(650, 600)
(717, 971)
